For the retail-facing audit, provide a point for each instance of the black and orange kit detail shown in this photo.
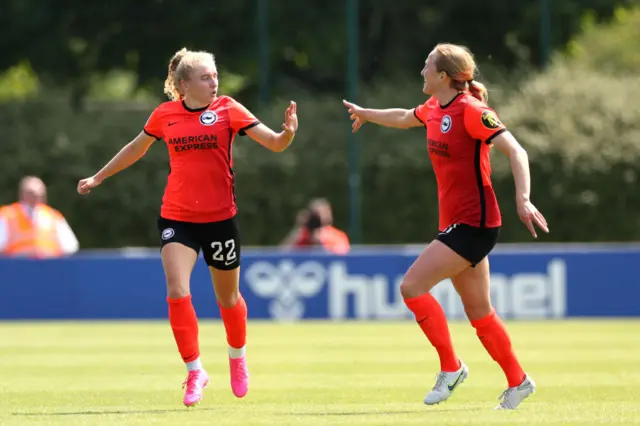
(459, 137)
(219, 241)
(199, 204)
(200, 186)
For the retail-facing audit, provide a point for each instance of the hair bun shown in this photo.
(175, 61)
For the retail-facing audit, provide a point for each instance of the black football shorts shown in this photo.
(219, 241)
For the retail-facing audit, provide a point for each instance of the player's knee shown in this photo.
(477, 310)
(404, 289)
(176, 289)
(229, 300)
(410, 288)
(415, 284)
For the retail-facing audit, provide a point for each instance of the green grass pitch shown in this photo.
(313, 373)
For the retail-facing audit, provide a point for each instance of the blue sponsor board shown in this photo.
(526, 284)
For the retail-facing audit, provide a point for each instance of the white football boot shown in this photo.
(512, 397)
(446, 383)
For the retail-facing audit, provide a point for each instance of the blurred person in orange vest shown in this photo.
(31, 228)
(314, 228)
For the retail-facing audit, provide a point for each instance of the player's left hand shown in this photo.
(290, 124)
(530, 215)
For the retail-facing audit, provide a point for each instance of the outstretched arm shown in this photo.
(394, 117)
(128, 155)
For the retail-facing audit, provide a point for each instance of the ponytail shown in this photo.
(171, 88)
(458, 63)
(478, 91)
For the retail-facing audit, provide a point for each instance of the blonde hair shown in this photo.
(458, 63)
(180, 67)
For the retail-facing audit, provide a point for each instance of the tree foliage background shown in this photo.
(78, 80)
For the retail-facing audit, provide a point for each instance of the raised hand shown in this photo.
(290, 124)
(356, 115)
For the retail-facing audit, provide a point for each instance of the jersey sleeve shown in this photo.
(241, 118)
(422, 111)
(482, 123)
(153, 127)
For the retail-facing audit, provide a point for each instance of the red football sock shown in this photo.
(184, 324)
(493, 335)
(235, 323)
(432, 321)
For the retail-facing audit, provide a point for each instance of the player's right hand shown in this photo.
(85, 185)
(356, 115)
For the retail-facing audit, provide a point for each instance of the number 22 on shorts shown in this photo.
(219, 248)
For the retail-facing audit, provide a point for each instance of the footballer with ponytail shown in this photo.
(198, 208)
(461, 128)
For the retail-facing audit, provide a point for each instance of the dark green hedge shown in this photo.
(582, 132)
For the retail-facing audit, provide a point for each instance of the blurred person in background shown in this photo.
(199, 204)
(31, 228)
(314, 229)
(461, 129)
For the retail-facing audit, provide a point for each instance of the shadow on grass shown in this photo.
(105, 412)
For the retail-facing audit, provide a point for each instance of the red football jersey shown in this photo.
(200, 185)
(459, 137)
